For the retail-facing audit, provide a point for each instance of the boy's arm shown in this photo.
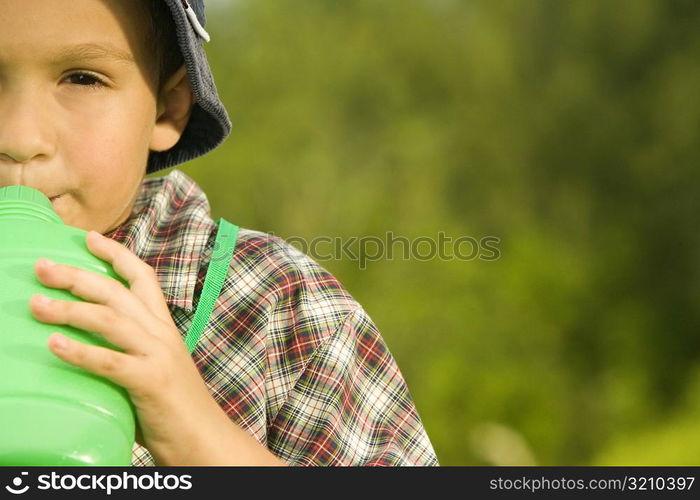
(351, 406)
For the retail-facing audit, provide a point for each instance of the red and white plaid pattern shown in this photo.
(288, 353)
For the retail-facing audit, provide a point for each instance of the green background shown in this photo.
(567, 129)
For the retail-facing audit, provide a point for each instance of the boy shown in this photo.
(289, 368)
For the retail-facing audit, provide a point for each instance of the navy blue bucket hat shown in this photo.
(209, 123)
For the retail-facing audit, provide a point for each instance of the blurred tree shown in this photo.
(569, 130)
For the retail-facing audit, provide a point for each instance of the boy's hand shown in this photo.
(172, 402)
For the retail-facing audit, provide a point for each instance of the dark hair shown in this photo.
(164, 40)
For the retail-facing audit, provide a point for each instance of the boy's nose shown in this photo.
(23, 129)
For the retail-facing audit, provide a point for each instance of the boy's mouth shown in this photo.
(54, 198)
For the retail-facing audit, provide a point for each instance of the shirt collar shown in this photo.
(169, 228)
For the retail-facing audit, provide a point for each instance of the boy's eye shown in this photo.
(86, 80)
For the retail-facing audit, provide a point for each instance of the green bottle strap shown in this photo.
(221, 257)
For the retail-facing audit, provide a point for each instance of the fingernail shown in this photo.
(43, 300)
(46, 262)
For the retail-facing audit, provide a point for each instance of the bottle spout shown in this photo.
(24, 202)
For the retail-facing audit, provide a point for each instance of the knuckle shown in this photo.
(115, 287)
(73, 276)
(159, 374)
(79, 355)
(149, 270)
(106, 315)
(63, 309)
(109, 363)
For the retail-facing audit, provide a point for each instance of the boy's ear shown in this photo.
(173, 111)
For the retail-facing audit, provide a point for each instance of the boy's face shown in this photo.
(61, 130)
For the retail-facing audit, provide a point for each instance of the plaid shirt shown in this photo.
(287, 353)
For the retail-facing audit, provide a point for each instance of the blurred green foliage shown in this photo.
(567, 129)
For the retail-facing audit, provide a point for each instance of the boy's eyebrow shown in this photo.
(92, 51)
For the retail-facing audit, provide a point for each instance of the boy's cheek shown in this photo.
(101, 209)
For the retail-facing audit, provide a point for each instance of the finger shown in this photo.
(90, 286)
(141, 277)
(120, 368)
(118, 330)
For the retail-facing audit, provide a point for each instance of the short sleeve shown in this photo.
(350, 406)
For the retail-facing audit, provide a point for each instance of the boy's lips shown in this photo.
(51, 197)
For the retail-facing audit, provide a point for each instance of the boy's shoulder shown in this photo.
(267, 274)
(268, 281)
(294, 293)
(288, 271)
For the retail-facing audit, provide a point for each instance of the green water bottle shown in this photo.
(51, 412)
